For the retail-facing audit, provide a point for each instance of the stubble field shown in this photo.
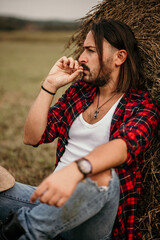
(25, 60)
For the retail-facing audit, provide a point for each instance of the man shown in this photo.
(104, 123)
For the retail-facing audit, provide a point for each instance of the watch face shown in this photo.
(85, 166)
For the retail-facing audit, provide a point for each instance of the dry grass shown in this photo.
(24, 64)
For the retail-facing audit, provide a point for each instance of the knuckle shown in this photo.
(42, 200)
(67, 195)
(59, 204)
(71, 58)
(51, 202)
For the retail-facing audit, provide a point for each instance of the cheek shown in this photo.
(94, 74)
(96, 70)
(94, 65)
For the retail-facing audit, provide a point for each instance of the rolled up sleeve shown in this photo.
(137, 131)
(55, 116)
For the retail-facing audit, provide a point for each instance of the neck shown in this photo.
(110, 88)
(107, 90)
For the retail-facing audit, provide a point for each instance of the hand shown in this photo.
(59, 186)
(63, 72)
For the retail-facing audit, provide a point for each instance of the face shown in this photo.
(92, 74)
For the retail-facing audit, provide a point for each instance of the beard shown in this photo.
(102, 78)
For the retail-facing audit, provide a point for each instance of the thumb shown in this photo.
(75, 74)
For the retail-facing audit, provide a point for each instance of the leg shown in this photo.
(100, 226)
(88, 200)
(46, 222)
(15, 198)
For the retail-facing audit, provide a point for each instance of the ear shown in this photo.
(121, 56)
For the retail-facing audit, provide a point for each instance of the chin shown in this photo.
(96, 82)
(88, 81)
(85, 78)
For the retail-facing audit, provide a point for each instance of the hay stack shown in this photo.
(143, 18)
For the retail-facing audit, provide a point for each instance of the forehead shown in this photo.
(89, 41)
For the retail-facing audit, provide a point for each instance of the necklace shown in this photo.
(97, 110)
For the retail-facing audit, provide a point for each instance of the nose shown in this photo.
(83, 58)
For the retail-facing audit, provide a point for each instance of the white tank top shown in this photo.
(84, 137)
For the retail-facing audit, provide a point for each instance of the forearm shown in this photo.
(62, 73)
(108, 155)
(63, 182)
(37, 118)
(104, 157)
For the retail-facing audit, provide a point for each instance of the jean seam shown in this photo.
(17, 199)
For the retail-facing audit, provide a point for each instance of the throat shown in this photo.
(96, 111)
(100, 106)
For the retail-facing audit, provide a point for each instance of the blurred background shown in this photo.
(33, 35)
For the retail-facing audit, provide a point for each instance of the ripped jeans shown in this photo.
(89, 214)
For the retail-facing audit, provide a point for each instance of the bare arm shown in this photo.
(63, 72)
(59, 186)
(108, 155)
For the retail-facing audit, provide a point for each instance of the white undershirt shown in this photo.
(84, 137)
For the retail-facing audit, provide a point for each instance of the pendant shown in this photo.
(96, 113)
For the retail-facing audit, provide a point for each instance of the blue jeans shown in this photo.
(89, 214)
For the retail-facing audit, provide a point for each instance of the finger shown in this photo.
(49, 194)
(61, 202)
(76, 65)
(38, 192)
(54, 199)
(68, 62)
(75, 74)
(64, 61)
(71, 62)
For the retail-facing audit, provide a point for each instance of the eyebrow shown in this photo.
(86, 47)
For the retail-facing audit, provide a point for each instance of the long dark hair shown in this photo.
(120, 36)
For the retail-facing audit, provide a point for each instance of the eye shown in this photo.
(90, 50)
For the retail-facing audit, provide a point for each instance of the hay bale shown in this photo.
(143, 18)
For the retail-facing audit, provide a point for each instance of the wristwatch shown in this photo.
(84, 166)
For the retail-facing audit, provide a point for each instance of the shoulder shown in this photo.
(140, 97)
(143, 101)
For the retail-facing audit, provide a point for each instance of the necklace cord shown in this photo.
(97, 110)
(105, 101)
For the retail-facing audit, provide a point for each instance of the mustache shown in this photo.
(84, 67)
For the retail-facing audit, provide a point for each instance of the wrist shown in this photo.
(84, 166)
(75, 171)
(44, 89)
(47, 84)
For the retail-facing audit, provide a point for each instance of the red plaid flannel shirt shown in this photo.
(134, 121)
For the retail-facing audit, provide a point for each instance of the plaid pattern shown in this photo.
(134, 121)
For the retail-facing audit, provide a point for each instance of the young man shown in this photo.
(104, 123)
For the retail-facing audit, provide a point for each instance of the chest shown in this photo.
(95, 112)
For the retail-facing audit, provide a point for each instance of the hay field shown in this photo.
(26, 58)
